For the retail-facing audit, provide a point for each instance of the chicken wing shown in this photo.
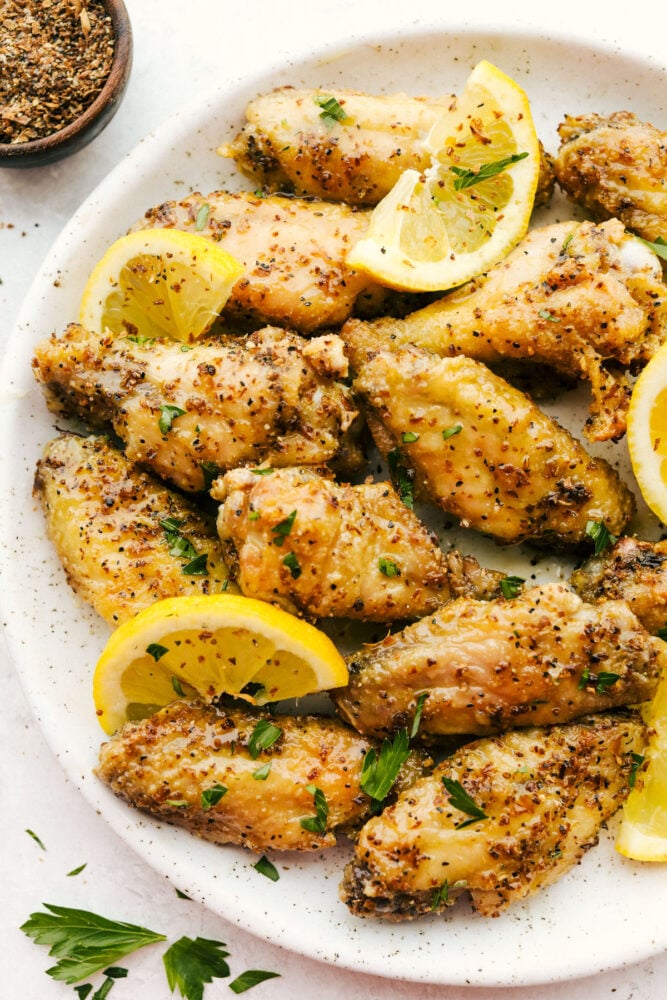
(499, 820)
(572, 295)
(200, 768)
(632, 570)
(542, 657)
(271, 396)
(123, 538)
(354, 551)
(615, 165)
(341, 144)
(485, 453)
(293, 251)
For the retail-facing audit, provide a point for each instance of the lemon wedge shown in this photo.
(642, 834)
(159, 283)
(436, 230)
(209, 645)
(647, 433)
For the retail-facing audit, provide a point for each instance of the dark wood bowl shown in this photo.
(97, 115)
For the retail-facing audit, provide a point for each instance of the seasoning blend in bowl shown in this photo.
(64, 66)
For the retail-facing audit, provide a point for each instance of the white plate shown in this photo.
(604, 913)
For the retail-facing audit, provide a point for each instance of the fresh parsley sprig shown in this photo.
(379, 772)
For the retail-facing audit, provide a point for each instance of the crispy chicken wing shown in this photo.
(271, 396)
(544, 656)
(356, 551)
(632, 570)
(616, 165)
(572, 295)
(196, 766)
(124, 539)
(293, 251)
(541, 797)
(485, 453)
(299, 140)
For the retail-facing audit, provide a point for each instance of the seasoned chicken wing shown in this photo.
(293, 251)
(271, 396)
(615, 165)
(301, 540)
(544, 656)
(632, 570)
(484, 452)
(571, 295)
(502, 818)
(123, 538)
(341, 144)
(199, 767)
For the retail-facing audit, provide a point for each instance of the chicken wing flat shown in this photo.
(123, 538)
(574, 296)
(293, 251)
(199, 767)
(271, 396)
(342, 145)
(291, 142)
(502, 818)
(485, 453)
(615, 166)
(632, 570)
(542, 657)
(324, 549)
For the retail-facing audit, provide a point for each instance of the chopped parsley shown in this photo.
(545, 314)
(293, 565)
(34, 836)
(637, 761)
(602, 537)
(267, 868)
(263, 736)
(466, 178)
(318, 822)
(388, 567)
(210, 472)
(77, 871)
(511, 585)
(451, 431)
(419, 708)
(379, 772)
(459, 798)
(198, 566)
(155, 650)
(262, 773)
(250, 978)
(605, 680)
(177, 686)
(202, 217)
(662, 633)
(402, 476)
(211, 796)
(283, 528)
(332, 111)
(409, 437)
(659, 246)
(168, 414)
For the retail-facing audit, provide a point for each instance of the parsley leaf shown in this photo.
(263, 736)
(418, 713)
(283, 528)
(293, 565)
(210, 471)
(155, 650)
(511, 585)
(83, 942)
(409, 437)
(402, 476)
(31, 833)
(459, 798)
(466, 178)
(190, 964)
(211, 796)
(168, 414)
(318, 822)
(602, 537)
(662, 633)
(637, 761)
(378, 773)
(77, 871)
(267, 868)
(251, 978)
(605, 680)
(197, 566)
(451, 431)
(545, 314)
(332, 112)
(388, 567)
(659, 246)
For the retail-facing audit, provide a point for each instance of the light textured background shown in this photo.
(180, 49)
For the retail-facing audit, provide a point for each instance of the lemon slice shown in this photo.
(210, 645)
(642, 834)
(647, 432)
(159, 283)
(436, 230)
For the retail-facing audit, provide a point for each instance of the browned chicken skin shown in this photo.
(165, 763)
(485, 453)
(615, 165)
(632, 570)
(539, 658)
(123, 538)
(293, 251)
(360, 552)
(271, 396)
(571, 295)
(544, 793)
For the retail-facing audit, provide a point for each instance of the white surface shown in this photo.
(170, 66)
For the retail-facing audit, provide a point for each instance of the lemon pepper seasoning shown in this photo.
(55, 56)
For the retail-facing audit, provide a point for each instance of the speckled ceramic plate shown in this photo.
(604, 913)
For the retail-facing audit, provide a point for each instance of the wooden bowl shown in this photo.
(76, 135)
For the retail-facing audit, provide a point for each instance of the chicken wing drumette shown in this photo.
(615, 166)
(188, 415)
(485, 453)
(542, 657)
(299, 539)
(499, 820)
(587, 300)
(124, 539)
